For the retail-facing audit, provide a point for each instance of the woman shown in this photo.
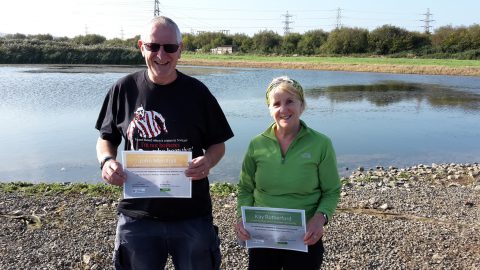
(289, 166)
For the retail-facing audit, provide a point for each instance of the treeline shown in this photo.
(88, 49)
(446, 42)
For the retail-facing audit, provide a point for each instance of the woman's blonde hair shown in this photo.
(284, 83)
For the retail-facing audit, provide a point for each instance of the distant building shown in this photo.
(225, 49)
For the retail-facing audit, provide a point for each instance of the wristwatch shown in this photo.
(104, 160)
(325, 217)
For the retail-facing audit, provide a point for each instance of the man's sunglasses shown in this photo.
(155, 47)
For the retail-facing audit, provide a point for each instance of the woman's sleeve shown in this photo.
(329, 179)
(246, 183)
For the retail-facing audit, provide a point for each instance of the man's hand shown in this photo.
(199, 168)
(112, 172)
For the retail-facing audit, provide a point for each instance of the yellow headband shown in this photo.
(284, 79)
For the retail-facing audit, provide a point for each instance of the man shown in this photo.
(163, 109)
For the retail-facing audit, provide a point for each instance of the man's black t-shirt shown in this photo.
(180, 116)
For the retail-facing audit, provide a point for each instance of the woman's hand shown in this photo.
(314, 229)
(242, 234)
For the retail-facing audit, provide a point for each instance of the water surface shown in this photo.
(48, 115)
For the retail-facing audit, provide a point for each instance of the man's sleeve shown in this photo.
(106, 121)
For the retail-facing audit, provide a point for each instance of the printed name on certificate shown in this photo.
(156, 174)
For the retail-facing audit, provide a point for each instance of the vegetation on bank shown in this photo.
(99, 189)
(94, 190)
(447, 42)
(32, 51)
(358, 60)
(446, 174)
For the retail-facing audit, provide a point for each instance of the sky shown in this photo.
(125, 18)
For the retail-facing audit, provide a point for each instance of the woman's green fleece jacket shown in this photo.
(306, 177)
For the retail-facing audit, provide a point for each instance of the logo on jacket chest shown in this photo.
(306, 155)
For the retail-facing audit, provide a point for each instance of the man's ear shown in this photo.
(140, 43)
(180, 50)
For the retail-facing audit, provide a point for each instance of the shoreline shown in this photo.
(354, 67)
(375, 68)
(421, 217)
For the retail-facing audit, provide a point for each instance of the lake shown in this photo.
(48, 113)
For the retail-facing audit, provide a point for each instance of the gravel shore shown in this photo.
(423, 217)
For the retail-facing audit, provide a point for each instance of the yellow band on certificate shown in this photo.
(164, 160)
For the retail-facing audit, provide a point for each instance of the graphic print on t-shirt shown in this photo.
(145, 125)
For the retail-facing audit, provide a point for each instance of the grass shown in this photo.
(94, 190)
(223, 189)
(335, 60)
(59, 188)
(404, 175)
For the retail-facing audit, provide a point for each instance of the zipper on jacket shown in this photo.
(286, 153)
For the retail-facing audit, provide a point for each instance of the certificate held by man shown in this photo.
(156, 174)
(275, 228)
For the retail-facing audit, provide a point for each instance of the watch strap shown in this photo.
(104, 160)
(325, 217)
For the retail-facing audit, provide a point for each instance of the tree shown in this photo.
(456, 39)
(133, 42)
(474, 33)
(41, 37)
(312, 41)
(290, 43)
(115, 42)
(188, 42)
(220, 40)
(242, 42)
(387, 39)
(61, 39)
(418, 41)
(16, 36)
(266, 41)
(203, 41)
(390, 39)
(90, 39)
(346, 41)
